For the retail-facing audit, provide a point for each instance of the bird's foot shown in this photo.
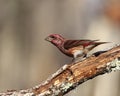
(75, 60)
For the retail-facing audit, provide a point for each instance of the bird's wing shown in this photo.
(74, 43)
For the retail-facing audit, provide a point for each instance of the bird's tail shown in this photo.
(95, 44)
(99, 43)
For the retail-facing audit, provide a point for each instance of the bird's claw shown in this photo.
(76, 60)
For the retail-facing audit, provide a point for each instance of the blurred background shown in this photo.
(26, 59)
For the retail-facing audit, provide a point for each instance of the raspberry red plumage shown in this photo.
(73, 48)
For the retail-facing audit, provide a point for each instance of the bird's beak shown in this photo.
(48, 39)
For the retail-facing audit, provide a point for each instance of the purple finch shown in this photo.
(73, 48)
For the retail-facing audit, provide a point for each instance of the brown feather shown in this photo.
(74, 43)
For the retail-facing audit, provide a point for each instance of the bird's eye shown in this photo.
(53, 37)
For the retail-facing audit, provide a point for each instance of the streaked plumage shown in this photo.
(73, 48)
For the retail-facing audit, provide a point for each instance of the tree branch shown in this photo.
(70, 76)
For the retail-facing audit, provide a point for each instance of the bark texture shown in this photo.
(70, 76)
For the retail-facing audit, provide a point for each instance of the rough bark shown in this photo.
(70, 76)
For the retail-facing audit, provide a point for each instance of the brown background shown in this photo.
(26, 59)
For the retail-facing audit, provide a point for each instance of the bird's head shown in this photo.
(55, 39)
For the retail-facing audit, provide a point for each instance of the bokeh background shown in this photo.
(26, 59)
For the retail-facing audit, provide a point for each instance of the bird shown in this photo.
(77, 49)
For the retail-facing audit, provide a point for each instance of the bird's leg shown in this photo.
(73, 60)
(85, 55)
(79, 58)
